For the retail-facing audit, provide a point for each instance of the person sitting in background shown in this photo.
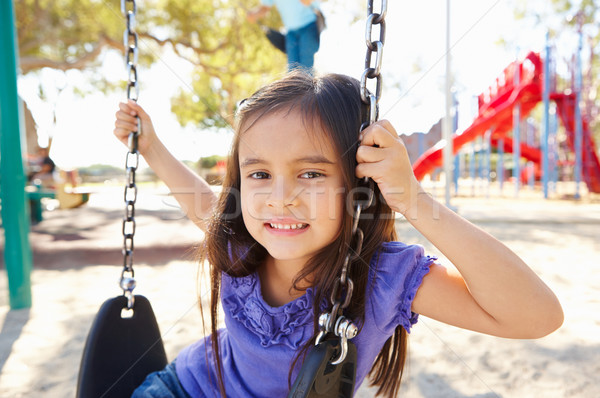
(42, 169)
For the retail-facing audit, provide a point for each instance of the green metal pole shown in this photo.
(15, 215)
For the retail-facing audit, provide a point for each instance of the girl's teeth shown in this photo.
(287, 226)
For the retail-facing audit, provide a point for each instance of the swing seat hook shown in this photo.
(344, 329)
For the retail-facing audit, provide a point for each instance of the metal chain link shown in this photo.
(343, 288)
(373, 72)
(130, 43)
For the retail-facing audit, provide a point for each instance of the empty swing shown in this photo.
(124, 344)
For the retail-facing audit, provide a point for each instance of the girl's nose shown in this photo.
(284, 194)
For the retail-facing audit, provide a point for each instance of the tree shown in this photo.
(231, 56)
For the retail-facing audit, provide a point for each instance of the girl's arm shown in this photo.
(495, 292)
(191, 191)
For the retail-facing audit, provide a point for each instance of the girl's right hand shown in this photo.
(126, 122)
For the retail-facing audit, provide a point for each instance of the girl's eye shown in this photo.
(259, 175)
(311, 174)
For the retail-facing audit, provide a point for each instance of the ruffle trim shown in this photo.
(409, 318)
(290, 325)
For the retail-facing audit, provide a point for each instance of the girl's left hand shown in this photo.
(382, 156)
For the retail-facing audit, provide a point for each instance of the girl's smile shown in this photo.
(286, 227)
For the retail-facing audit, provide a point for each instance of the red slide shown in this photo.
(495, 114)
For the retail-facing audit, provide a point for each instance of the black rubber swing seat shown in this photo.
(318, 378)
(120, 352)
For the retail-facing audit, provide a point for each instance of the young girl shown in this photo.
(277, 237)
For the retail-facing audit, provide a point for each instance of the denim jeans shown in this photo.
(161, 384)
(301, 46)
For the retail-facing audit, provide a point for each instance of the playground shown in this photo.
(76, 264)
(526, 169)
(503, 111)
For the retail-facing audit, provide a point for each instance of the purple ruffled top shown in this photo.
(285, 325)
(260, 341)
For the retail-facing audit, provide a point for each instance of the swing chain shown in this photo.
(130, 42)
(373, 72)
(341, 295)
(343, 288)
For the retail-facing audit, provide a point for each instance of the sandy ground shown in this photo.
(77, 263)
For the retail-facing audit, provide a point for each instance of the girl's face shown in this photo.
(292, 188)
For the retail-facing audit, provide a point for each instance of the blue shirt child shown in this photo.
(302, 39)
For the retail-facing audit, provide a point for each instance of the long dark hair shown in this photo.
(332, 104)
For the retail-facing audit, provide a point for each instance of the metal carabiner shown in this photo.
(345, 330)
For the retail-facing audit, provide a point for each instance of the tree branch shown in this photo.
(28, 63)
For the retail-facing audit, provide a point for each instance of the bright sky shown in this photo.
(415, 36)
